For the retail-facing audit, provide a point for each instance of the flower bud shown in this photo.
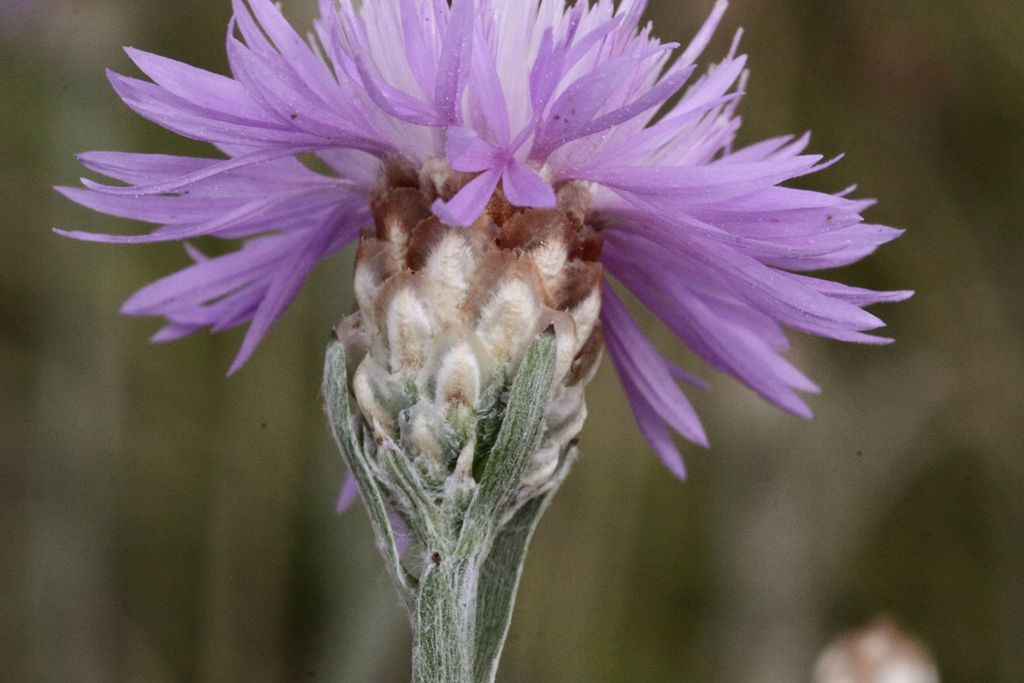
(445, 315)
(880, 654)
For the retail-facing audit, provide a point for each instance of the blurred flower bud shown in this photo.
(882, 653)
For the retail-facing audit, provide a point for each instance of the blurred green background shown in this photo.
(159, 522)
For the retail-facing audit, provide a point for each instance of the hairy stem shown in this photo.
(444, 647)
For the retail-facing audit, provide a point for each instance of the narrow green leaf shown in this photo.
(499, 585)
(335, 390)
(428, 521)
(502, 572)
(517, 441)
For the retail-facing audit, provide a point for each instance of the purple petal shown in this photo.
(141, 168)
(349, 494)
(149, 169)
(703, 37)
(470, 202)
(468, 153)
(548, 68)
(488, 95)
(200, 87)
(719, 340)
(578, 106)
(784, 147)
(276, 211)
(687, 377)
(421, 58)
(860, 241)
(289, 278)
(229, 311)
(702, 234)
(523, 187)
(712, 87)
(657, 137)
(581, 48)
(295, 51)
(648, 370)
(453, 67)
(659, 224)
(208, 279)
(172, 332)
(853, 295)
(151, 209)
(699, 184)
(194, 121)
(362, 169)
(403, 537)
(769, 290)
(654, 97)
(210, 171)
(232, 311)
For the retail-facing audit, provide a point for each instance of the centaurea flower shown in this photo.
(500, 161)
(526, 97)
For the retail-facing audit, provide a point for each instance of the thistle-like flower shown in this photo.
(499, 161)
(480, 115)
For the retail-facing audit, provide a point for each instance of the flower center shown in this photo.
(446, 315)
(502, 280)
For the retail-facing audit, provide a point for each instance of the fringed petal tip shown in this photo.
(103, 238)
(239, 362)
(898, 296)
(72, 234)
(171, 333)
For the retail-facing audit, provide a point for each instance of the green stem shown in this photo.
(444, 643)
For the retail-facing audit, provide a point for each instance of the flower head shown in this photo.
(482, 115)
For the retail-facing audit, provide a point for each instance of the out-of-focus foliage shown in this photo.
(159, 522)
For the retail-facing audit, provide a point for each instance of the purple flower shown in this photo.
(525, 96)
